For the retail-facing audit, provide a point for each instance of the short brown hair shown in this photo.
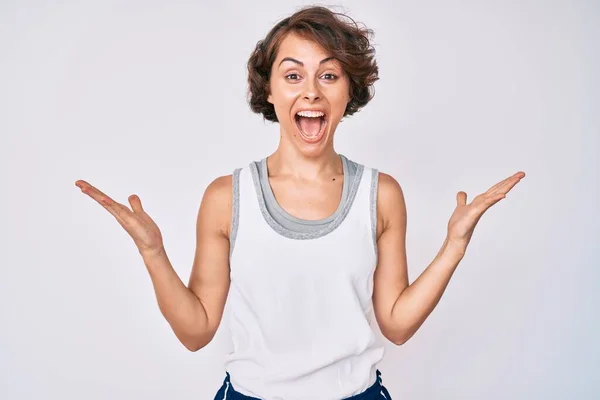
(344, 40)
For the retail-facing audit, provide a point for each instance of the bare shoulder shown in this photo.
(391, 205)
(216, 203)
(219, 187)
(388, 185)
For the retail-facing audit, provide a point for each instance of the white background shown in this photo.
(149, 97)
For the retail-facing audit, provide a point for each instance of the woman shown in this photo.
(305, 245)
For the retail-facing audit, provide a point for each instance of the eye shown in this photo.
(295, 77)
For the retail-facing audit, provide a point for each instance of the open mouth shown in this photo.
(311, 125)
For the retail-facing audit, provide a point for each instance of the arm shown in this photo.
(401, 308)
(194, 312)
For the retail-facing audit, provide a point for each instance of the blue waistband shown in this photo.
(375, 391)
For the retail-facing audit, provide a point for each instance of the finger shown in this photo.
(119, 211)
(93, 192)
(461, 198)
(136, 204)
(123, 214)
(499, 184)
(508, 185)
(511, 181)
(493, 199)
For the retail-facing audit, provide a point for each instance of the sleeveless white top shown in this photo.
(299, 307)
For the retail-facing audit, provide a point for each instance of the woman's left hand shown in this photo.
(465, 217)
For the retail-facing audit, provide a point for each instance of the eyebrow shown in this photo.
(323, 61)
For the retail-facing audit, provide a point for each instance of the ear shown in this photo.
(270, 97)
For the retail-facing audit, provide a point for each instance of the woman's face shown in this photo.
(305, 78)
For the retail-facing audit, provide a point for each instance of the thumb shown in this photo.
(461, 198)
(136, 203)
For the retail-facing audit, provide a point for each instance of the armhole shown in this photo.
(373, 208)
(235, 209)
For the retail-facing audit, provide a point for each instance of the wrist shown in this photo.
(456, 248)
(152, 255)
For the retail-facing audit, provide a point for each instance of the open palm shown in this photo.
(466, 216)
(142, 229)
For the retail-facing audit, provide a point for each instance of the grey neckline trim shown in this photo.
(235, 209)
(283, 231)
(268, 192)
(373, 201)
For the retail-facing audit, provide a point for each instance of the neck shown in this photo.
(288, 160)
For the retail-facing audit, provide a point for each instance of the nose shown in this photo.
(311, 91)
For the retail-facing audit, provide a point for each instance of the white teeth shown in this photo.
(311, 114)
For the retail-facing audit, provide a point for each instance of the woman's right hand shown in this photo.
(142, 229)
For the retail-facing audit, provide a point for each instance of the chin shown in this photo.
(314, 151)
